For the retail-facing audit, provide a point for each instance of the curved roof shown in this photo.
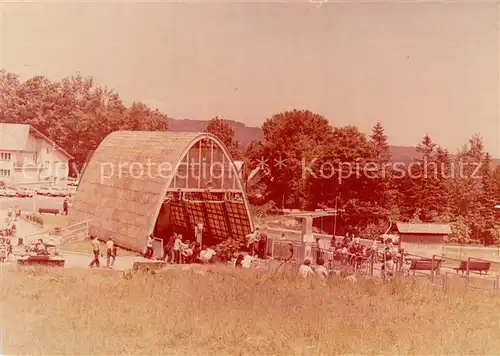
(120, 193)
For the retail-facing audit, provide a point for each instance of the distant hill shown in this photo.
(406, 154)
(245, 134)
(242, 133)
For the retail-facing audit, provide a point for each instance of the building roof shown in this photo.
(123, 203)
(14, 137)
(423, 229)
(314, 214)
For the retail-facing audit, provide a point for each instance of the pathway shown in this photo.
(73, 259)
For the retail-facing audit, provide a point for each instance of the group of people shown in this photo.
(180, 251)
(111, 252)
(306, 270)
(9, 225)
(5, 249)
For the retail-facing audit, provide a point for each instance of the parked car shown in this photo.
(10, 192)
(24, 192)
(56, 192)
(43, 191)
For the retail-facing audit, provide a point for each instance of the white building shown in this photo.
(28, 156)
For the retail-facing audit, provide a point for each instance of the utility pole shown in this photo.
(335, 216)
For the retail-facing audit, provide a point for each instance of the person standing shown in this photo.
(149, 247)
(95, 250)
(17, 213)
(169, 249)
(321, 270)
(262, 244)
(178, 247)
(305, 270)
(114, 253)
(65, 206)
(109, 252)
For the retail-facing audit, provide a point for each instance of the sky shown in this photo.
(417, 67)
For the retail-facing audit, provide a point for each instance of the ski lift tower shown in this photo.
(307, 236)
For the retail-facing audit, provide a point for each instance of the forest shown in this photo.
(322, 165)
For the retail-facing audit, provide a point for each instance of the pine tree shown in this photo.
(380, 175)
(425, 175)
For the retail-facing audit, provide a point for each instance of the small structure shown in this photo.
(424, 240)
(307, 235)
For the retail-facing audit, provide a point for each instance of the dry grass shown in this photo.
(238, 312)
(51, 221)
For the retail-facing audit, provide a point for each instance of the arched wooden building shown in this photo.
(137, 183)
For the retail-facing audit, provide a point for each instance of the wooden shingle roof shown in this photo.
(122, 202)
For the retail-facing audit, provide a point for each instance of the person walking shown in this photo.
(169, 248)
(17, 213)
(109, 252)
(95, 250)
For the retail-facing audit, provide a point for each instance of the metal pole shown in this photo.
(432, 269)
(467, 275)
(335, 218)
(223, 172)
(199, 164)
(188, 175)
(211, 159)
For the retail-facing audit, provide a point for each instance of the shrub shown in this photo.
(35, 218)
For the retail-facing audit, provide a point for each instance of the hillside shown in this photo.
(245, 134)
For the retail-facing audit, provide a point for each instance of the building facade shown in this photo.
(27, 156)
(425, 240)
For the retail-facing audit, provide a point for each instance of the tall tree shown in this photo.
(223, 130)
(74, 113)
(467, 186)
(293, 145)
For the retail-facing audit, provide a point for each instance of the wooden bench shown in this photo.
(425, 265)
(474, 266)
(48, 211)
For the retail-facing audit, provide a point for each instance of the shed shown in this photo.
(423, 240)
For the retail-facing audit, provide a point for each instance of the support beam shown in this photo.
(188, 166)
(228, 222)
(199, 164)
(223, 172)
(211, 157)
(196, 190)
(207, 225)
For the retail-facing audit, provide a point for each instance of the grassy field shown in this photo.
(238, 312)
